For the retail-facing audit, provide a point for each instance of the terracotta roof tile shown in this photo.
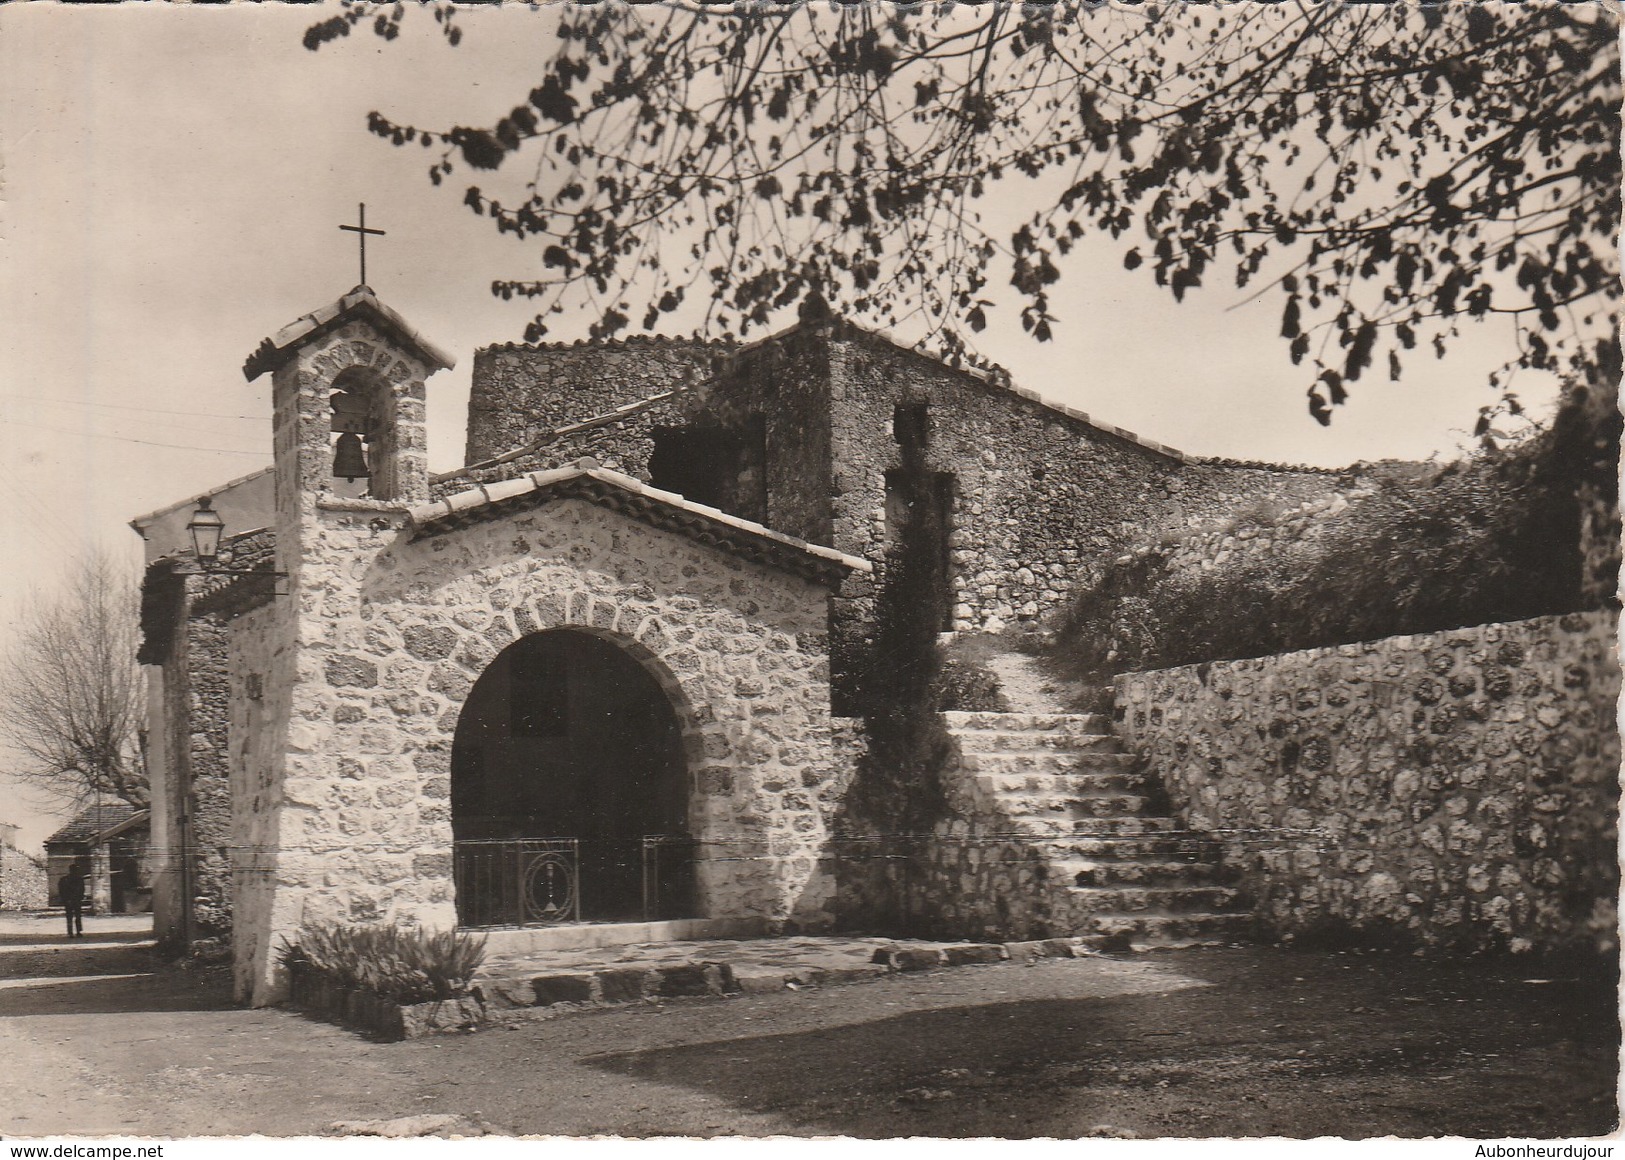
(663, 509)
(358, 303)
(95, 822)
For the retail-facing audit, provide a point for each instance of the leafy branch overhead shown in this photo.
(1387, 170)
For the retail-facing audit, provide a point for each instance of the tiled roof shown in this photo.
(1261, 465)
(98, 822)
(662, 509)
(358, 303)
(555, 434)
(142, 521)
(614, 343)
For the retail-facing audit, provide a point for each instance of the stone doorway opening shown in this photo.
(569, 789)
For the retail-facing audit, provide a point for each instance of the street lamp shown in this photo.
(206, 529)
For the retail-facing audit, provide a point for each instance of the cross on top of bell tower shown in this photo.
(361, 231)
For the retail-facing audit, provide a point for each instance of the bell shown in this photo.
(349, 459)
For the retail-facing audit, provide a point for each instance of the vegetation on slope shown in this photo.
(1492, 538)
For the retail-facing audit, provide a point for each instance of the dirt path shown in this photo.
(1195, 1043)
(1032, 685)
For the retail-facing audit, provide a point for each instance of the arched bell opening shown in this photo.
(569, 789)
(360, 446)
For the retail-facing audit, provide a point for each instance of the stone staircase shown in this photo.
(1116, 869)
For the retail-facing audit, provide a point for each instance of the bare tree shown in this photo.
(71, 691)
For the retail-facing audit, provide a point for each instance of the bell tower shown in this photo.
(348, 404)
(349, 461)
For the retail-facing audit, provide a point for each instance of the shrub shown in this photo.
(1493, 538)
(407, 965)
(969, 687)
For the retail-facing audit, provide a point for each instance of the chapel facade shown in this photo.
(612, 670)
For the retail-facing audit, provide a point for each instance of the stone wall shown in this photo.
(260, 673)
(207, 828)
(1039, 494)
(190, 769)
(978, 875)
(976, 872)
(1452, 790)
(22, 880)
(1213, 542)
(166, 748)
(391, 635)
(522, 390)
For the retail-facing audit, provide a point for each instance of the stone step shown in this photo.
(565, 980)
(1062, 826)
(987, 741)
(1148, 872)
(1154, 900)
(1048, 761)
(1023, 803)
(1027, 722)
(1194, 848)
(1120, 781)
(1151, 931)
(1145, 825)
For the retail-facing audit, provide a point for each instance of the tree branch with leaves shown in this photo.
(1390, 171)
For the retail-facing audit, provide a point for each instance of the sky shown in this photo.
(173, 179)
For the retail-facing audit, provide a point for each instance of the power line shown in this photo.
(128, 439)
(34, 511)
(170, 427)
(127, 407)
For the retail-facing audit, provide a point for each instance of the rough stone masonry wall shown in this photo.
(978, 877)
(1245, 530)
(1599, 416)
(22, 880)
(392, 635)
(521, 390)
(974, 875)
(261, 697)
(169, 712)
(208, 799)
(1038, 492)
(1040, 497)
(189, 858)
(623, 446)
(1451, 790)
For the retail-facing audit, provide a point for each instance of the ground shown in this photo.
(1217, 1042)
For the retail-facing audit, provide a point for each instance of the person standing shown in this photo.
(71, 890)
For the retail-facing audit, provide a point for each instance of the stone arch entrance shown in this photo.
(569, 788)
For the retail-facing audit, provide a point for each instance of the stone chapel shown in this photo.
(606, 673)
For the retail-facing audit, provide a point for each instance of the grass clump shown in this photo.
(407, 965)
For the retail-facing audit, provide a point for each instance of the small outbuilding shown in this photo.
(112, 841)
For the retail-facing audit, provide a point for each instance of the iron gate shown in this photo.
(668, 876)
(518, 881)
